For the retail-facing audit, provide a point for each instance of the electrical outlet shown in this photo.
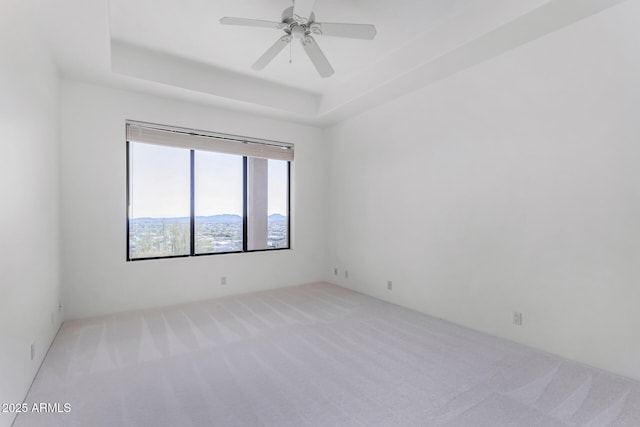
(389, 285)
(33, 350)
(517, 318)
(223, 280)
(346, 274)
(335, 271)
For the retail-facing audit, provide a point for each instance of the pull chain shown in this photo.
(290, 55)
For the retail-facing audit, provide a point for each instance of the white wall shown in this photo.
(96, 277)
(513, 186)
(29, 232)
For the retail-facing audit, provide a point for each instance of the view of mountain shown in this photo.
(219, 219)
(277, 218)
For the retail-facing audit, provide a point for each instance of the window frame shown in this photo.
(192, 221)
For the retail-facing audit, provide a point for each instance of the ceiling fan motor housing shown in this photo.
(289, 18)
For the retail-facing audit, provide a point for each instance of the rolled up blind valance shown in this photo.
(208, 141)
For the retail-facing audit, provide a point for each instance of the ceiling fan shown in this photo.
(299, 22)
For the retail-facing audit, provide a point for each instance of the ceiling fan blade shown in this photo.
(271, 53)
(352, 31)
(245, 22)
(317, 57)
(303, 8)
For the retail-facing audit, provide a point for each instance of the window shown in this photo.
(195, 193)
(219, 184)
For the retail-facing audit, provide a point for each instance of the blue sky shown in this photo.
(160, 178)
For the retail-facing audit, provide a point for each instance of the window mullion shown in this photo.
(245, 196)
(289, 205)
(192, 221)
(128, 201)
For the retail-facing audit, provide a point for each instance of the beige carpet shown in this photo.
(313, 355)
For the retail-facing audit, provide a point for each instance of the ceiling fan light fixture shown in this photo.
(315, 29)
(298, 31)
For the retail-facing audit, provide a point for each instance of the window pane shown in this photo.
(159, 179)
(278, 208)
(218, 202)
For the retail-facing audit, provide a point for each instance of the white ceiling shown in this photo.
(190, 29)
(179, 49)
